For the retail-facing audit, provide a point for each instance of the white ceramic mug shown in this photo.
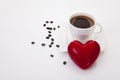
(83, 34)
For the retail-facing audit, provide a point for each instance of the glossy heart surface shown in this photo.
(84, 55)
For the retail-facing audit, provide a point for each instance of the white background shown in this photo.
(21, 22)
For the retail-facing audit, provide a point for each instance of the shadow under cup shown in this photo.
(81, 26)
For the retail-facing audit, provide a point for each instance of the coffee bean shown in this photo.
(52, 39)
(47, 37)
(49, 31)
(32, 42)
(64, 62)
(58, 26)
(49, 28)
(44, 25)
(58, 46)
(51, 55)
(50, 46)
(47, 21)
(54, 28)
(42, 44)
(52, 42)
(51, 21)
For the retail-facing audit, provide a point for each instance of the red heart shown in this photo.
(84, 55)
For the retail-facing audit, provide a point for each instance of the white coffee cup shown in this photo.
(83, 34)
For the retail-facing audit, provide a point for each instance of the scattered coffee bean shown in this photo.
(42, 44)
(51, 55)
(54, 28)
(58, 46)
(58, 26)
(64, 62)
(47, 37)
(50, 36)
(50, 46)
(52, 39)
(49, 28)
(47, 21)
(32, 42)
(51, 21)
(44, 25)
(49, 31)
(52, 42)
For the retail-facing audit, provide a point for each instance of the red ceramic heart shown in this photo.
(84, 55)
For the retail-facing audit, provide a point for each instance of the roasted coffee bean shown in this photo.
(54, 28)
(47, 21)
(32, 42)
(58, 26)
(50, 46)
(52, 42)
(52, 39)
(51, 21)
(43, 44)
(47, 37)
(49, 31)
(49, 28)
(44, 25)
(64, 62)
(51, 55)
(58, 46)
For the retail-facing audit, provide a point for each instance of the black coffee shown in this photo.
(82, 22)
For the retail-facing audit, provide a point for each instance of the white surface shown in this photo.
(21, 22)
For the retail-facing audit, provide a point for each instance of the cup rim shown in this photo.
(82, 14)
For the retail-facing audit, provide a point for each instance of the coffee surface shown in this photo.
(82, 22)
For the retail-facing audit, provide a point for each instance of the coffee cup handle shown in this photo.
(99, 27)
